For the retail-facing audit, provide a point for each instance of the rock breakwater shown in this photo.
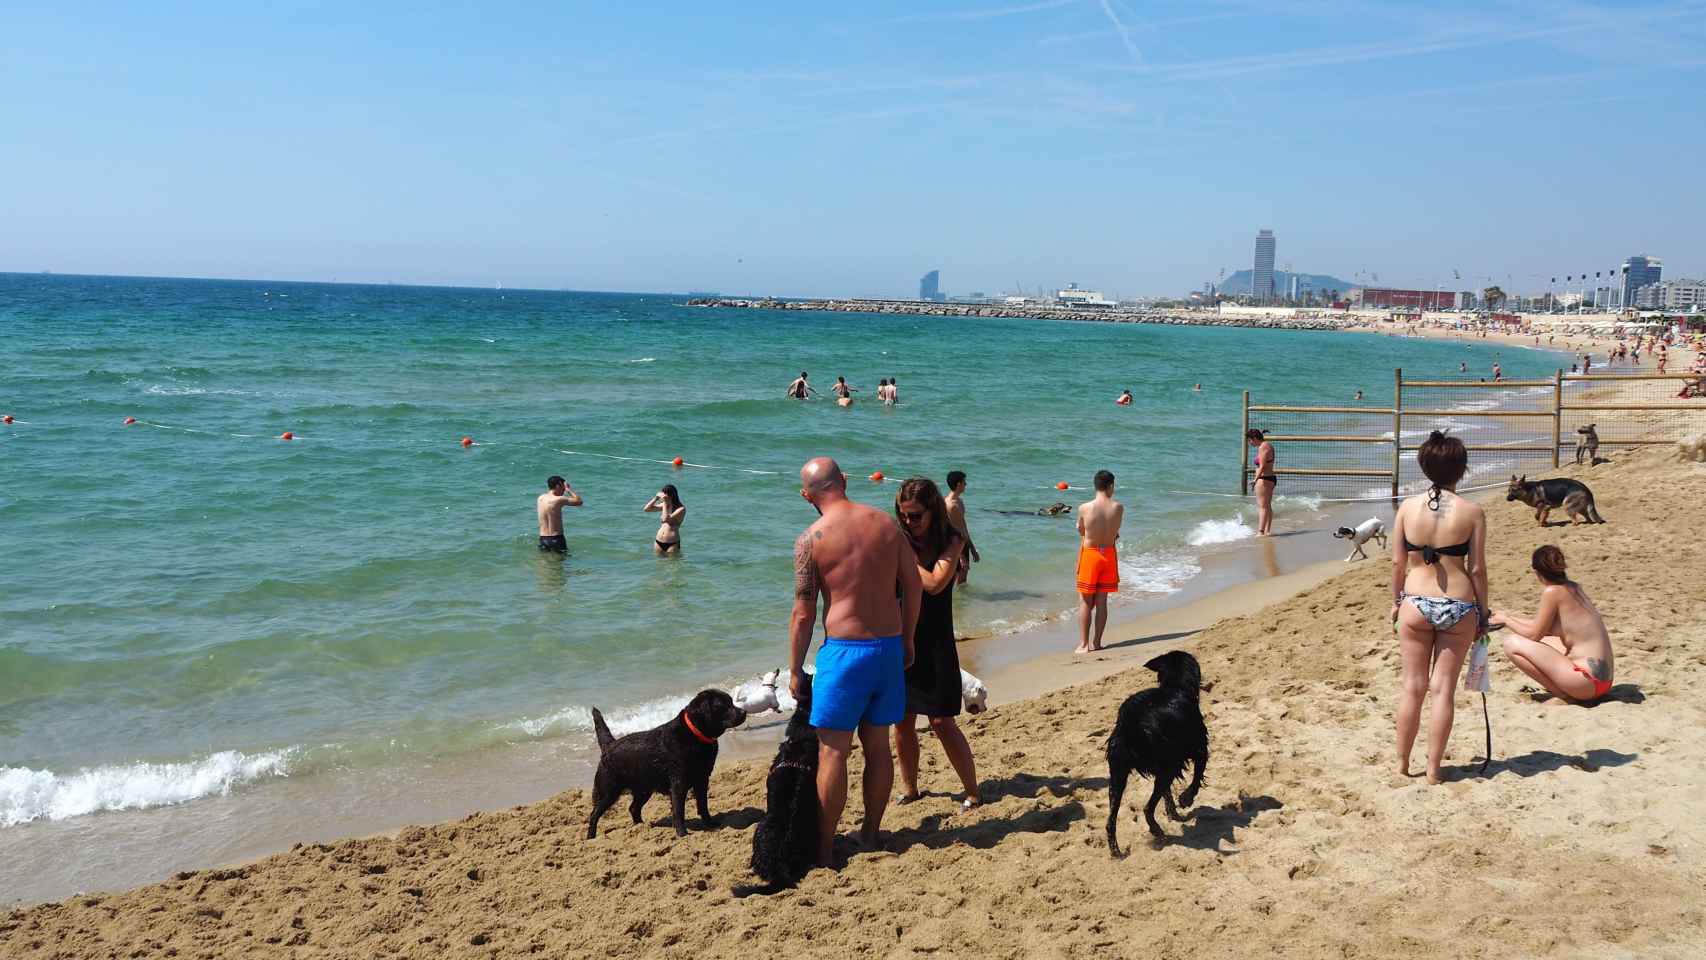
(928, 309)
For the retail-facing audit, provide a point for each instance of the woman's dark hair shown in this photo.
(923, 491)
(673, 494)
(1252, 434)
(1548, 561)
(1443, 460)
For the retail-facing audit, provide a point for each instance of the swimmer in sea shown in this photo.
(883, 390)
(1359, 394)
(800, 389)
(667, 501)
(894, 391)
(1197, 388)
(1124, 398)
(550, 505)
(843, 392)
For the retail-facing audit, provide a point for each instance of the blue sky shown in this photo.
(804, 149)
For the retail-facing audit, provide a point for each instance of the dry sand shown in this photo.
(1584, 838)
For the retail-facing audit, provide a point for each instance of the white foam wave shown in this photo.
(1220, 531)
(577, 719)
(1161, 571)
(1310, 502)
(27, 794)
(645, 360)
(161, 390)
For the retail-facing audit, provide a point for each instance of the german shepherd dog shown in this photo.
(1572, 496)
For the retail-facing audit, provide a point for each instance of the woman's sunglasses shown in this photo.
(911, 517)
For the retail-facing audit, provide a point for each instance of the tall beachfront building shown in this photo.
(929, 288)
(1263, 282)
(1639, 271)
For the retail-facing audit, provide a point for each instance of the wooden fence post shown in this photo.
(1397, 426)
(1243, 446)
(1557, 413)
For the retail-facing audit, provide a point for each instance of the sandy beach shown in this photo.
(1583, 838)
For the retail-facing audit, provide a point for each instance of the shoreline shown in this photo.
(263, 818)
(1304, 841)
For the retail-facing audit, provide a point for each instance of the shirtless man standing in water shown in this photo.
(1098, 560)
(955, 502)
(551, 504)
(859, 559)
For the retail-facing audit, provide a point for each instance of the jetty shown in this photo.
(1275, 320)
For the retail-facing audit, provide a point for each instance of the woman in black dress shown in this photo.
(933, 680)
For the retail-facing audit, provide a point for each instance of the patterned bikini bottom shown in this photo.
(1443, 612)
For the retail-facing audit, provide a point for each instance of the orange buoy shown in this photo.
(287, 435)
(1062, 485)
(467, 441)
(676, 462)
(877, 477)
(129, 420)
(6, 419)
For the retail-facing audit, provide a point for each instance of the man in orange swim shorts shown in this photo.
(1098, 560)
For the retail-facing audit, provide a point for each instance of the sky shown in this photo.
(804, 149)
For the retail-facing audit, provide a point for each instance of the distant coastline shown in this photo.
(1023, 312)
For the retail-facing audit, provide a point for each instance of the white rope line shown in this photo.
(667, 463)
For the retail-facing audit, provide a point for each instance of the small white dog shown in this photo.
(975, 694)
(1694, 448)
(1370, 529)
(759, 697)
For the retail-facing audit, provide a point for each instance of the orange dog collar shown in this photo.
(695, 730)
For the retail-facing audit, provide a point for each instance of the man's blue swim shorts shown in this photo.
(859, 682)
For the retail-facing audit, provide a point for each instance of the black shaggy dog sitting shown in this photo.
(1159, 731)
(676, 757)
(784, 846)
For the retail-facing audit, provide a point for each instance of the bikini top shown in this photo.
(1431, 553)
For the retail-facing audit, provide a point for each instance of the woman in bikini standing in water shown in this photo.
(1439, 589)
(667, 501)
(1564, 647)
(1266, 480)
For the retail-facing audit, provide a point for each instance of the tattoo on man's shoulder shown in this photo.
(805, 568)
(1597, 667)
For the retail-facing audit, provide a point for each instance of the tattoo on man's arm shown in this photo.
(805, 569)
(1597, 667)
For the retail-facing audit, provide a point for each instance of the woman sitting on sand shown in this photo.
(667, 502)
(933, 680)
(1564, 647)
(1439, 566)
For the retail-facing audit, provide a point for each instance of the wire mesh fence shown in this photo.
(1508, 426)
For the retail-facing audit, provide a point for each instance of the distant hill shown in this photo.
(1238, 284)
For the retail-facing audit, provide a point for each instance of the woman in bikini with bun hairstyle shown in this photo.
(1439, 585)
(1564, 646)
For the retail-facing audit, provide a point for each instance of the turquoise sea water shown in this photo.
(191, 606)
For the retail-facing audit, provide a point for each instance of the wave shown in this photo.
(1160, 571)
(1220, 531)
(622, 720)
(27, 794)
(162, 390)
(644, 360)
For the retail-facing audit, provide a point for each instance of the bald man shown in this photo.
(857, 557)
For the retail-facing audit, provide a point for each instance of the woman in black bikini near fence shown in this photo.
(933, 680)
(667, 501)
(1439, 566)
(1266, 481)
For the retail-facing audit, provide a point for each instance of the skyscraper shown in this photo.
(1263, 282)
(1639, 271)
(929, 288)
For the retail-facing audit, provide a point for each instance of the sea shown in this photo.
(213, 639)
